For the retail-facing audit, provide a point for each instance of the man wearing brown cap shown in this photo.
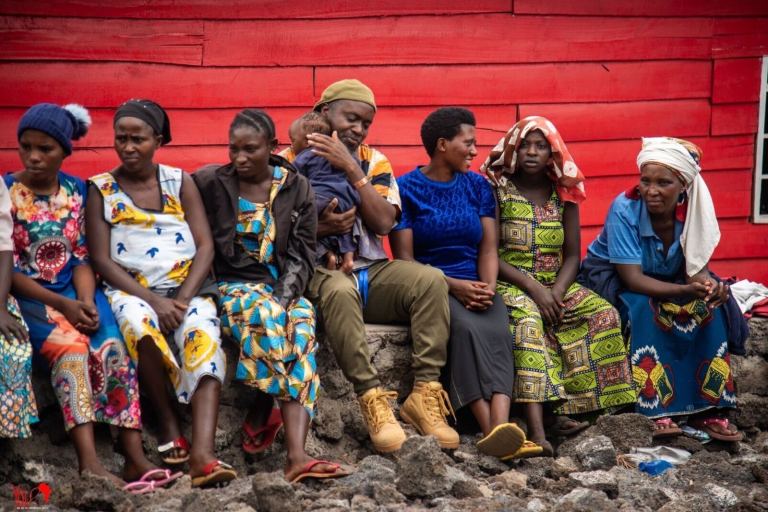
(378, 290)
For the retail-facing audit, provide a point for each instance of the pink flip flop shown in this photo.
(168, 477)
(149, 481)
(706, 426)
(140, 487)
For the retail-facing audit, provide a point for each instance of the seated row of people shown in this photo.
(485, 275)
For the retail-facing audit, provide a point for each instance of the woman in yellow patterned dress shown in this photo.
(263, 219)
(568, 348)
(151, 244)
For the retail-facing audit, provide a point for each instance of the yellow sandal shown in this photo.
(502, 440)
(527, 450)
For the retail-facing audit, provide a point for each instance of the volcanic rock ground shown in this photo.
(586, 475)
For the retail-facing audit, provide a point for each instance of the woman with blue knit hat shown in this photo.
(70, 323)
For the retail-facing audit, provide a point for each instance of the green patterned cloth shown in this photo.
(580, 364)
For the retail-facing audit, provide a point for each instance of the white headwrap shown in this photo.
(701, 233)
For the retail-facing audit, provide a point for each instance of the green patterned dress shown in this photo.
(581, 364)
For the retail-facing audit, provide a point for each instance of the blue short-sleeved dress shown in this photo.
(445, 218)
(678, 349)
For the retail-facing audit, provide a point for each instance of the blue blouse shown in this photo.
(445, 219)
(628, 238)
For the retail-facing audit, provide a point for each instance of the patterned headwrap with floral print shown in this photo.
(568, 179)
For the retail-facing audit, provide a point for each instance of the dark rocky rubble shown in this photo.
(584, 476)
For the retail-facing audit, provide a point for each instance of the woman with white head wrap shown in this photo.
(701, 233)
(650, 260)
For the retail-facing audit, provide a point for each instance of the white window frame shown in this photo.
(762, 140)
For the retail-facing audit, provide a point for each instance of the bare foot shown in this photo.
(330, 261)
(542, 441)
(348, 262)
(99, 470)
(170, 432)
(134, 470)
(198, 461)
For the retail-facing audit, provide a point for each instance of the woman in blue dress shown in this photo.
(449, 222)
(650, 261)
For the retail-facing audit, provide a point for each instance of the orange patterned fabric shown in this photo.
(563, 170)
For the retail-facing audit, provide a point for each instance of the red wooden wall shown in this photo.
(605, 71)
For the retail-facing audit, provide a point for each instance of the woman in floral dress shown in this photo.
(70, 322)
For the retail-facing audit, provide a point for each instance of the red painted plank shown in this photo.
(618, 158)
(391, 126)
(245, 9)
(528, 83)
(173, 42)
(402, 125)
(741, 45)
(736, 80)
(606, 121)
(730, 152)
(740, 37)
(89, 162)
(752, 269)
(484, 39)
(734, 119)
(605, 158)
(109, 84)
(684, 8)
(731, 192)
(741, 239)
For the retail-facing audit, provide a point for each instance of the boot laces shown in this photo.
(378, 411)
(437, 405)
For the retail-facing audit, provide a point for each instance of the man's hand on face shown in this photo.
(333, 150)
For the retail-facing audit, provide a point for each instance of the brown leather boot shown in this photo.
(386, 433)
(426, 409)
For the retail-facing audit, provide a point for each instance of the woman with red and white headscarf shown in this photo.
(569, 353)
(650, 260)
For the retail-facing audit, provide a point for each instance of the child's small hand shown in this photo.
(10, 328)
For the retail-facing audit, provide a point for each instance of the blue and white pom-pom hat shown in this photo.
(64, 124)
